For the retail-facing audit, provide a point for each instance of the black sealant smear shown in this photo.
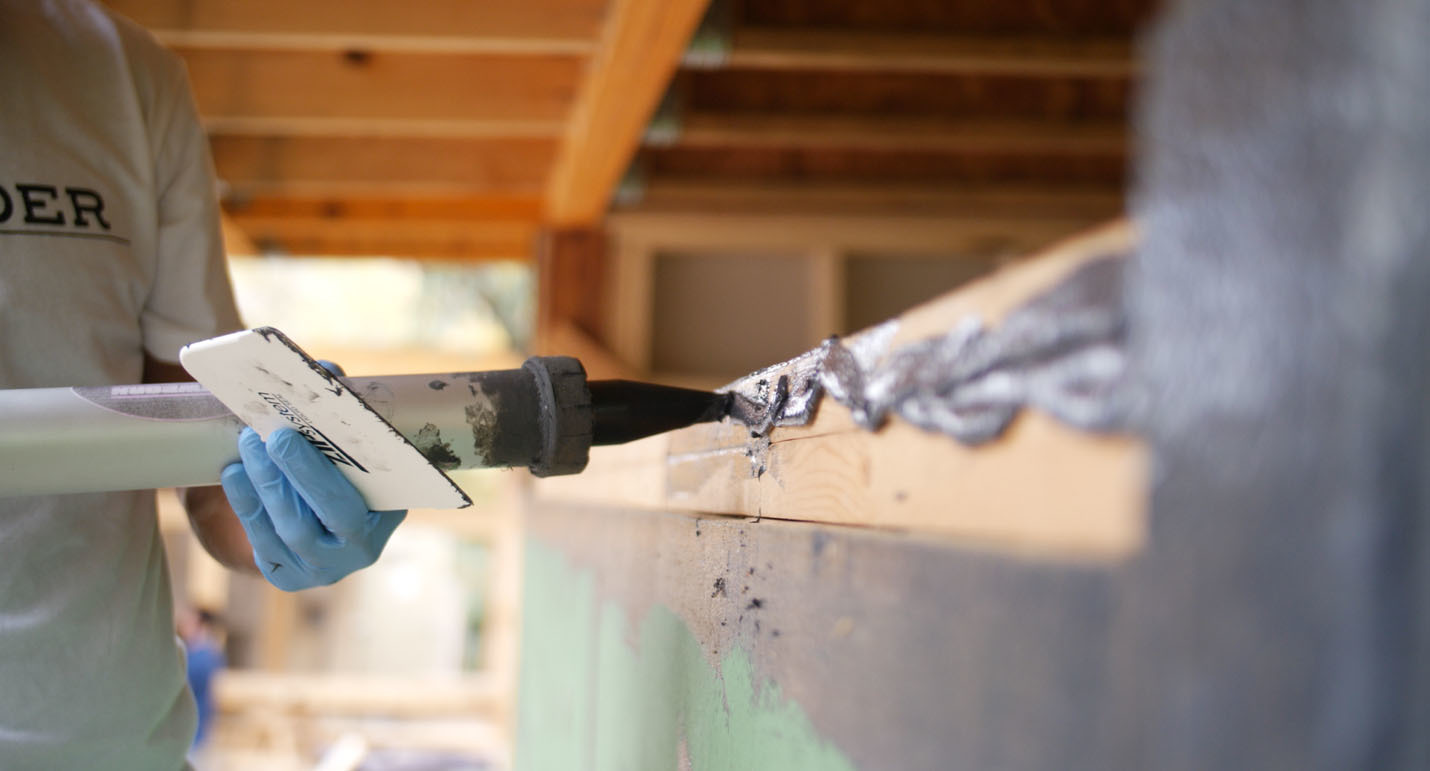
(429, 442)
(1061, 352)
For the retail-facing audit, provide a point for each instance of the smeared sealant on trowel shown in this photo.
(270, 383)
(1062, 352)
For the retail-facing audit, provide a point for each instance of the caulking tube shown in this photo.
(78, 440)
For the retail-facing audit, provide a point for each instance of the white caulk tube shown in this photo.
(77, 440)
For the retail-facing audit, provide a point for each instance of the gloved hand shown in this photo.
(306, 522)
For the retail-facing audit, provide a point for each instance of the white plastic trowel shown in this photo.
(268, 382)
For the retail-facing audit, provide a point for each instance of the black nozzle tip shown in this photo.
(625, 410)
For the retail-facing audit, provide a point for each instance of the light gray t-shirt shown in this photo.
(109, 247)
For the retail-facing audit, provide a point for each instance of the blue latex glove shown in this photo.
(306, 522)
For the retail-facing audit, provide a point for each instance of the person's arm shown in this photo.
(210, 515)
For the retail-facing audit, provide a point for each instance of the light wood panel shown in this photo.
(843, 50)
(546, 26)
(640, 47)
(382, 167)
(231, 84)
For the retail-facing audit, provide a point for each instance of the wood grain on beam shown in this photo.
(447, 89)
(515, 26)
(450, 239)
(379, 128)
(640, 49)
(1042, 487)
(1020, 202)
(382, 166)
(406, 207)
(815, 49)
(901, 134)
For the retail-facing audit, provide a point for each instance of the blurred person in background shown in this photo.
(199, 628)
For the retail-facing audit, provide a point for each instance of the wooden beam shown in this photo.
(998, 495)
(411, 238)
(451, 207)
(314, 165)
(450, 90)
(640, 49)
(235, 240)
(901, 134)
(816, 49)
(383, 128)
(1019, 202)
(571, 265)
(506, 26)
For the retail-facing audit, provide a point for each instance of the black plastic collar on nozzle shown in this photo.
(564, 415)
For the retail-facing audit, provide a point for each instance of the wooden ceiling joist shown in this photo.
(995, 201)
(390, 207)
(898, 134)
(378, 128)
(415, 238)
(445, 89)
(359, 166)
(847, 50)
(640, 48)
(493, 26)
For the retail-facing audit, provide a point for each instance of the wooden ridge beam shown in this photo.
(902, 134)
(815, 49)
(360, 166)
(421, 93)
(640, 50)
(494, 26)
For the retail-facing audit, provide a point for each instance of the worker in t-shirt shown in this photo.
(110, 261)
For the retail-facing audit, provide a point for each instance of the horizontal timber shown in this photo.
(412, 238)
(813, 49)
(1084, 205)
(411, 207)
(231, 84)
(312, 165)
(899, 134)
(514, 26)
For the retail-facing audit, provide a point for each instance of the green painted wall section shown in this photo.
(598, 693)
